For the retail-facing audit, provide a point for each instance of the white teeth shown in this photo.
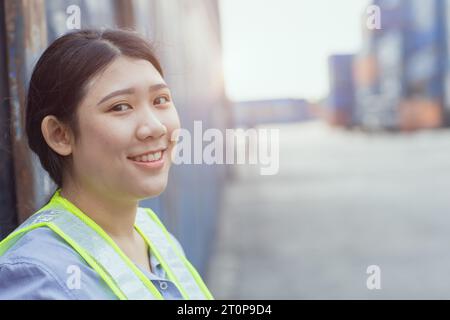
(148, 157)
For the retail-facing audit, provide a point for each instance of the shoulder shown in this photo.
(31, 280)
(42, 246)
(39, 266)
(39, 245)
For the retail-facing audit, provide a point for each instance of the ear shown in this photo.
(57, 135)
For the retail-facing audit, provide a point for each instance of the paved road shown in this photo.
(342, 201)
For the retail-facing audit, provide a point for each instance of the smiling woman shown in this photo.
(100, 117)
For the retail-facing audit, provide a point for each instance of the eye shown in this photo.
(161, 100)
(116, 107)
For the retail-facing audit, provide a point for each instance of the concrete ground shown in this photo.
(342, 201)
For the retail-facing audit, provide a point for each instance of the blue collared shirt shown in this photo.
(41, 265)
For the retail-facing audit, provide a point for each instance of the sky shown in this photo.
(279, 48)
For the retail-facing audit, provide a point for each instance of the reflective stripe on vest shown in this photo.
(100, 251)
(178, 267)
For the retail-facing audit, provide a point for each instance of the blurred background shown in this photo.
(360, 91)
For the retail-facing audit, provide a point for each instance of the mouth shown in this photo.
(152, 160)
(149, 156)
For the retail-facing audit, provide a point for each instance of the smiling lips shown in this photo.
(148, 157)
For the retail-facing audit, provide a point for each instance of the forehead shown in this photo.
(122, 73)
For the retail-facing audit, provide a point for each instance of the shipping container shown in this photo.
(392, 14)
(8, 214)
(425, 49)
(253, 113)
(446, 68)
(378, 97)
(366, 89)
(341, 100)
(390, 57)
(379, 69)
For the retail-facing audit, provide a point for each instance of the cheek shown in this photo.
(101, 137)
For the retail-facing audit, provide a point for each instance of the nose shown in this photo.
(150, 127)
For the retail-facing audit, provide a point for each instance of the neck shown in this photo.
(115, 216)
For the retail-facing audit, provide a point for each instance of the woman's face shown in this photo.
(127, 111)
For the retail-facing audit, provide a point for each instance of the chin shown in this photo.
(153, 190)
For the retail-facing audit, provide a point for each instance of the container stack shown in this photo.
(252, 113)
(401, 75)
(422, 106)
(389, 50)
(366, 82)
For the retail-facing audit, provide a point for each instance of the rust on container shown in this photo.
(420, 113)
(338, 118)
(365, 70)
(125, 13)
(26, 36)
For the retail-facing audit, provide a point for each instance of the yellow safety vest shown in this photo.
(99, 250)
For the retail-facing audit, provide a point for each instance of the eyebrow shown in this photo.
(155, 87)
